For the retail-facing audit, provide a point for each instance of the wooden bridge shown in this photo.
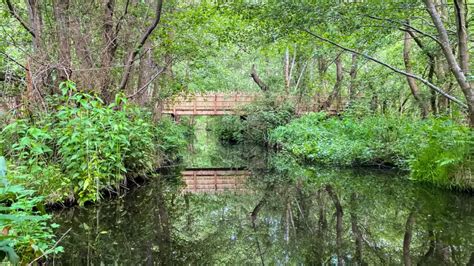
(214, 180)
(208, 104)
(226, 104)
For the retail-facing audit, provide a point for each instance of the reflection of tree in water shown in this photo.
(312, 217)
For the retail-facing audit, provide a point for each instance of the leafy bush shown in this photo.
(26, 234)
(229, 129)
(445, 155)
(256, 121)
(434, 150)
(172, 139)
(82, 148)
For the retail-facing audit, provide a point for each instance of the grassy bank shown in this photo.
(435, 150)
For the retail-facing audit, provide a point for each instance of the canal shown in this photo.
(276, 211)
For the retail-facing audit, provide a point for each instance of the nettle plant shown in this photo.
(82, 148)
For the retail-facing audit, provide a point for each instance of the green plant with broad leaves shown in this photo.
(85, 146)
(435, 150)
(25, 234)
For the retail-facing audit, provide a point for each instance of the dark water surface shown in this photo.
(283, 213)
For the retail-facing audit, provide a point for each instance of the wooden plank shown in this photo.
(218, 172)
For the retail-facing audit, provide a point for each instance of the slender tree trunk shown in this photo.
(110, 46)
(61, 13)
(143, 76)
(466, 86)
(353, 76)
(286, 70)
(433, 97)
(337, 85)
(36, 22)
(411, 81)
(463, 43)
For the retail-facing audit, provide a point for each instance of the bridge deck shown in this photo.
(225, 104)
(211, 104)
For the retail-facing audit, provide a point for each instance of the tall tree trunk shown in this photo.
(39, 72)
(61, 13)
(411, 81)
(337, 85)
(110, 46)
(461, 30)
(144, 75)
(36, 22)
(286, 70)
(434, 96)
(353, 76)
(466, 87)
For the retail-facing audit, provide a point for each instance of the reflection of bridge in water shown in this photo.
(214, 179)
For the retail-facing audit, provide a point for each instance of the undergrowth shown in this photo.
(85, 147)
(26, 233)
(434, 150)
(255, 121)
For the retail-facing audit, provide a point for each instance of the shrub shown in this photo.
(435, 150)
(445, 156)
(256, 121)
(82, 148)
(26, 234)
(229, 129)
(172, 139)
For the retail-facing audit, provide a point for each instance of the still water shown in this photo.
(276, 211)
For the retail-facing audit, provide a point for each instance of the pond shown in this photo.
(274, 211)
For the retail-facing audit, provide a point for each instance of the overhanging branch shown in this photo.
(424, 81)
(13, 12)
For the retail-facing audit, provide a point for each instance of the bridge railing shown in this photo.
(222, 104)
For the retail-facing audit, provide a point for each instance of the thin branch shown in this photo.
(429, 84)
(13, 60)
(256, 78)
(301, 74)
(13, 12)
(52, 248)
(118, 27)
(142, 41)
(139, 91)
(405, 25)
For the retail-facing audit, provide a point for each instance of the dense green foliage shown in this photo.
(256, 121)
(26, 233)
(86, 146)
(130, 57)
(434, 150)
(74, 154)
(172, 139)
